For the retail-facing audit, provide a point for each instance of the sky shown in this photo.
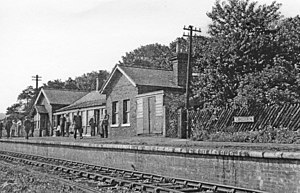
(58, 39)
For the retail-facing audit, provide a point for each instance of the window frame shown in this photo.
(115, 114)
(126, 112)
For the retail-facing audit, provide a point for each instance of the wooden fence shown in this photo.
(285, 116)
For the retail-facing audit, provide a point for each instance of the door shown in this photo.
(44, 124)
(148, 115)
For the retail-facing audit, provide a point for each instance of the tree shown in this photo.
(13, 109)
(55, 84)
(278, 83)
(26, 99)
(70, 84)
(26, 94)
(88, 81)
(152, 55)
(248, 41)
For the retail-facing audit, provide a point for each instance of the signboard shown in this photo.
(249, 119)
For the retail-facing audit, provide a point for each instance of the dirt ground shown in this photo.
(22, 179)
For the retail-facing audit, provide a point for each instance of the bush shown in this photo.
(267, 135)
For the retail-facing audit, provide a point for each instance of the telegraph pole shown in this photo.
(190, 29)
(36, 78)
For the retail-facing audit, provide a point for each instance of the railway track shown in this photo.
(99, 177)
(69, 183)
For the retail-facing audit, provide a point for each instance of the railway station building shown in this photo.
(46, 103)
(137, 97)
(92, 105)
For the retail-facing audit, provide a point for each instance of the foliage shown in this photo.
(27, 97)
(25, 102)
(272, 85)
(250, 58)
(26, 94)
(175, 101)
(85, 82)
(14, 109)
(88, 81)
(268, 134)
(152, 55)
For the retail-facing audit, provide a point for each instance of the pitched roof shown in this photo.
(91, 99)
(150, 77)
(61, 97)
(145, 76)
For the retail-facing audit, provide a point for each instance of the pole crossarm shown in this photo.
(36, 78)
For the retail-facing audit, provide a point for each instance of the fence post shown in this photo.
(182, 124)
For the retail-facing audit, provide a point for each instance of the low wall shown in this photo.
(276, 172)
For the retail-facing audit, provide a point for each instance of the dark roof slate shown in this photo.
(91, 99)
(151, 77)
(64, 97)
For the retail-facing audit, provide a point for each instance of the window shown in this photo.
(126, 111)
(115, 112)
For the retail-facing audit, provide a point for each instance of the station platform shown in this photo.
(269, 167)
(169, 142)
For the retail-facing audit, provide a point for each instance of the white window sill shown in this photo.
(116, 125)
(125, 125)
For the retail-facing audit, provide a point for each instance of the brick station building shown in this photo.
(137, 97)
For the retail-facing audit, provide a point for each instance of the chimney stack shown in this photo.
(97, 84)
(179, 63)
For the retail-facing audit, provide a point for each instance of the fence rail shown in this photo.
(219, 120)
(285, 116)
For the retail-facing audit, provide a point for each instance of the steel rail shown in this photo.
(132, 179)
(62, 180)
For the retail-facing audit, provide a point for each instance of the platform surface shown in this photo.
(171, 142)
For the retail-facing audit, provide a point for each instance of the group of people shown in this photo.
(14, 128)
(63, 129)
(102, 127)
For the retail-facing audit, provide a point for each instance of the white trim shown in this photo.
(111, 75)
(150, 94)
(122, 71)
(42, 91)
(108, 80)
(46, 97)
(82, 109)
(127, 112)
(116, 125)
(125, 125)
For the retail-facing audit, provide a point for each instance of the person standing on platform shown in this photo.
(68, 123)
(93, 125)
(62, 125)
(28, 126)
(13, 128)
(99, 129)
(8, 126)
(105, 125)
(32, 127)
(19, 127)
(1, 128)
(77, 125)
